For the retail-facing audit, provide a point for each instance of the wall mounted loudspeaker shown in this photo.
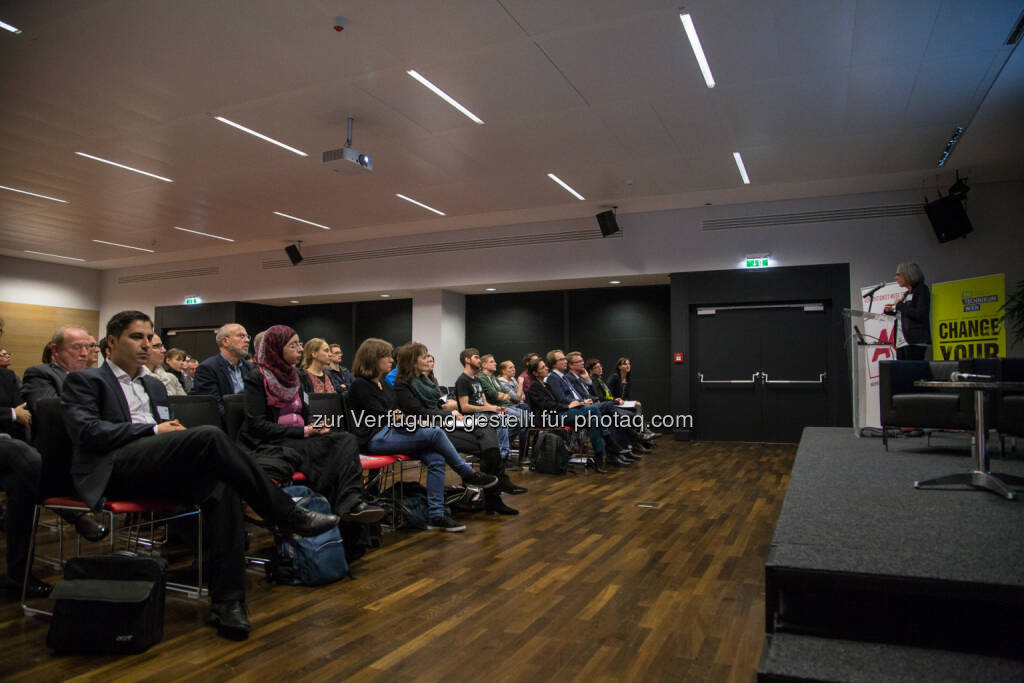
(293, 254)
(948, 218)
(606, 220)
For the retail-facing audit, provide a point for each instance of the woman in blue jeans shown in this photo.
(382, 429)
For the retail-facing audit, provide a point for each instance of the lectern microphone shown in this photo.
(874, 289)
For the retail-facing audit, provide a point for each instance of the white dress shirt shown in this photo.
(135, 394)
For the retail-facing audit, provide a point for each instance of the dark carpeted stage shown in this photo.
(869, 578)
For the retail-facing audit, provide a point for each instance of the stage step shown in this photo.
(788, 657)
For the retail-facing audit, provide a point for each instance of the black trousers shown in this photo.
(329, 461)
(19, 478)
(910, 352)
(201, 465)
(482, 442)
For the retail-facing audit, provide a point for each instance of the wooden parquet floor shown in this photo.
(582, 585)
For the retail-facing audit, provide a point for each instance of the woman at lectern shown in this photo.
(913, 313)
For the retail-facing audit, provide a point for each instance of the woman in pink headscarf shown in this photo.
(278, 430)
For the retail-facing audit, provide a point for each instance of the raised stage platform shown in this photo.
(869, 578)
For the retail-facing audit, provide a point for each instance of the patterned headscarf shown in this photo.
(280, 379)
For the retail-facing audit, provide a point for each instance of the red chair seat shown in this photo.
(143, 505)
(375, 462)
(400, 457)
(297, 477)
(65, 502)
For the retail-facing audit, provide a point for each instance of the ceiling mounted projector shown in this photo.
(346, 153)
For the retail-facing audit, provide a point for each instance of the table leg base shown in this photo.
(999, 484)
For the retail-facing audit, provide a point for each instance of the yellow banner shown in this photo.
(966, 322)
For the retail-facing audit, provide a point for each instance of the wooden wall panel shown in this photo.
(27, 329)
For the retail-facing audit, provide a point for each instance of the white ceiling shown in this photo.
(600, 92)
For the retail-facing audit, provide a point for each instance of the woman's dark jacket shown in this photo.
(260, 426)
(916, 319)
(365, 397)
(618, 388)
(541, 399)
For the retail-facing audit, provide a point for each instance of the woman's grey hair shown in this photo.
(911, 272)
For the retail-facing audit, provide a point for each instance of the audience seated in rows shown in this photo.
(579, 381)
(225, 372)
(155, 364)
(469, 390)
(417, 395)
(125, 446)
(549, 410)
(525, 379)
(278, 432)
(381, 430)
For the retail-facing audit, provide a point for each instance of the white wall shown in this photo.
(48, 284)
(657, 242)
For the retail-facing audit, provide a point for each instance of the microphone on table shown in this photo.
(956, 376)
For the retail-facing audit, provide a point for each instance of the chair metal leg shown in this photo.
(28, 568)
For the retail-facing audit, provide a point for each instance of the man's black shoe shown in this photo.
(303, 522)
(36, 588)
(618, 460)
(230, 619)
(505, 485)
(484, 481)
(595, 464)
(641, 447)
(91, 528)
(651, 436)
(495, 506)
(364, 513)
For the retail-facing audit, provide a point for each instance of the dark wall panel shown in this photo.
(629, 321)
(390, 320)
(512, 325)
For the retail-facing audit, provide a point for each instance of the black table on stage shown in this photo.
(980, 477)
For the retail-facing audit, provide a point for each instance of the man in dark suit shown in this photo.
(69, 351)
(629, 439)
(125, 446)
(225, 373)
(15, 417)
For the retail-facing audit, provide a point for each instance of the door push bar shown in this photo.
(820, 380)
(763, 376)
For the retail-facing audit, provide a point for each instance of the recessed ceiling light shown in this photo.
(698, 51)
(385, 296)
(491, 289)
(261, 136)
(124, 246)
(293, 301)
(204, 234)
(445, 96)
(741, 167)
(420, 204)
(127, 168)
(301, 220)
(43, 253)
(8, 27)
(568, 189)
(615, 282)
(33, 194)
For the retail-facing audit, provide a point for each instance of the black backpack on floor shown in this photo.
(550, 454)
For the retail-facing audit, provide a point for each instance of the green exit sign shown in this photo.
(757, 262)
(193, 300)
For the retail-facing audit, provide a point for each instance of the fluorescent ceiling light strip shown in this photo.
(261, 136)
(445, 96)
(8, 27)
(698, 51)
(33, 194)
(743, 169)
(301, 220)
(125, 246)
(127, 168)
(568, 189)
(204, 234)
(43, 253)
(413, 201)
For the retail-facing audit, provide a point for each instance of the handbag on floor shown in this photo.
(109, 604)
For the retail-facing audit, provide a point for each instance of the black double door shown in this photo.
(761, 371)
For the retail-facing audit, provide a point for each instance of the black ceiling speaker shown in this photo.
(606, 219)
(948, 218)
(293, 254)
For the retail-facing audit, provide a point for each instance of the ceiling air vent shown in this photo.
(168, 275)
(831, 216)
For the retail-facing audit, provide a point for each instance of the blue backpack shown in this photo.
(312, 561)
